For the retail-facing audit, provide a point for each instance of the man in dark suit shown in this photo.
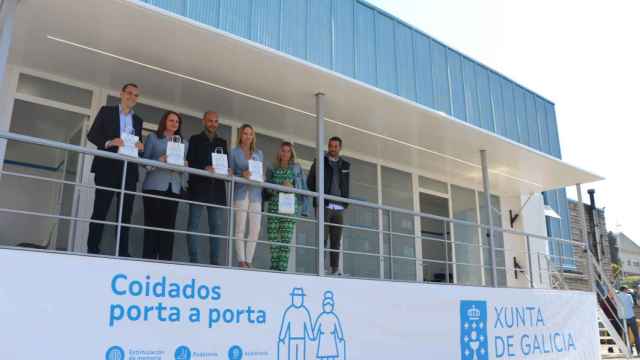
(105, 133)
(337, 183)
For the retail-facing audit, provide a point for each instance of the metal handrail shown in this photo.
(233, 179)
(240, 180)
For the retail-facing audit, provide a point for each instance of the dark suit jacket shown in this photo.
(344, 179)
(107, 127)
(204, 189)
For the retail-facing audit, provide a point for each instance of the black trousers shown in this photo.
(160, 213)
(101, 205)
(335, 235)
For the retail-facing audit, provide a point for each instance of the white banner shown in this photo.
(55, 306)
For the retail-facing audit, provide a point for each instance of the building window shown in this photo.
(399, 241)
(469, 268)
(561, 252)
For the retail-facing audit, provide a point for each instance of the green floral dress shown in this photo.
(279, 229)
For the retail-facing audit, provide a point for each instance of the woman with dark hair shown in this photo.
(161, 213)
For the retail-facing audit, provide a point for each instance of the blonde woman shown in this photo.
(247, 199)
(286, 172)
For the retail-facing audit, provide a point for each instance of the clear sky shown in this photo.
(584, 55)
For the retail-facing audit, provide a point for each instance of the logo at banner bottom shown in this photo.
(114, 353)
(473, 330)
(183, 353)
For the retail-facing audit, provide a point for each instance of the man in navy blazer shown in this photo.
(105, 133)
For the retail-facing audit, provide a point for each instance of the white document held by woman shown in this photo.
(255, 167)
(286, 203)
(175, 153)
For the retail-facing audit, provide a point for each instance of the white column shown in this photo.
(320, 178)
(7, 82)
(487, 199)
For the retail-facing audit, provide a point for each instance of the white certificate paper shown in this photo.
(286, 203)
(220, 163)
(129, 148)
(255, 167)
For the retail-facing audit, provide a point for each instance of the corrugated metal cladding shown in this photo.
(360, 41)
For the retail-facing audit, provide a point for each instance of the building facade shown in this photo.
(578, 277)
(629, 254)
(360, 41)
(447, 107)
(452, 165)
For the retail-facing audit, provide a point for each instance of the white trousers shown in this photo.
(247, 247)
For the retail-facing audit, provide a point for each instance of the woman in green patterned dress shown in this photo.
(286, 172)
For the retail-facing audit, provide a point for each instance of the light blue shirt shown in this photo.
(627, 304)
(126, 121)
(238, 164)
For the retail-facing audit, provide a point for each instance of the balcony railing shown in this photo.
(458, 261)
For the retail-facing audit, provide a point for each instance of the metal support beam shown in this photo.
(596, 226)
(7, 18)
(8, 10)
(320, 178)
(487, 197)
(585, 238)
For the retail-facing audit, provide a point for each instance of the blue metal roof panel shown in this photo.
(235, 16)
(204, 11)
(265, 22)
(386, 74)
(365, 45)
(542, 124)
(521, 115)
(454, 64)
(319, 42)
(484, 98)
(344, 37)
(532, 121)
(405, 62)
(497, 103)
(471, 91)
(294, 28)
(440, 73)
(424, 77)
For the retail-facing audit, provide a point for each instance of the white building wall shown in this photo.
(629, 253)
(530, 220)
(531, 217)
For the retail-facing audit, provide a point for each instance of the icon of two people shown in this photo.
(297, 329)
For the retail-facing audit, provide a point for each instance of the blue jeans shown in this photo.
(215, 217)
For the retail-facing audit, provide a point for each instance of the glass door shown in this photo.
(436, 239)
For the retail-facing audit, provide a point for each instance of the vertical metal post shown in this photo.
(487, 197)
(8, 10)
(585, 234)
(530, 262)
(231, 230)
(446, 250)
(391, 267)
(7, 19)
(380, 222)
(596, 227)
(120, 207)
(381, 241)
(540, 270)
(320, 178)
